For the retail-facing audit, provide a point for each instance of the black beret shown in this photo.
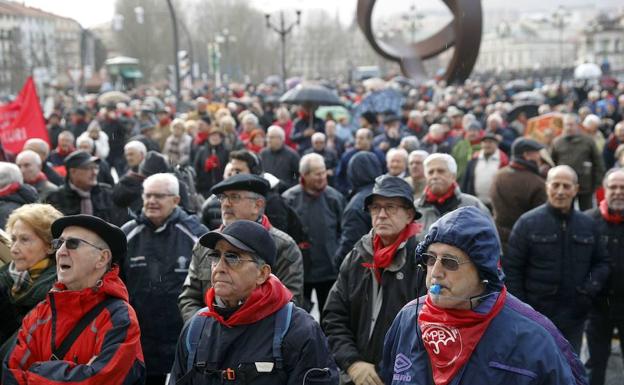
(111, 234)
(80, 158)
(154, 163)
(245, 235)
(522, 145)
(245, 182)
(392, 187)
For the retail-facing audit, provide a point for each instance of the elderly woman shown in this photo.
(25, 281)
(178, 145)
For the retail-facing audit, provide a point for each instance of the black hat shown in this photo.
(490, 136)
(522, 145)
(80, 111)
(80, 158)
(369, 116)
(245, 182)
(245, 235)
(389, 117)
(153, 163)
(392, 187)
(111, 234)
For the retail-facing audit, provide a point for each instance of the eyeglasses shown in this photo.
(233, 198)
(231, 259)
(449, 263)
(71, 243)
(390, 209)
(156, 196)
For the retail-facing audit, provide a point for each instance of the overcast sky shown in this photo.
(93, 12)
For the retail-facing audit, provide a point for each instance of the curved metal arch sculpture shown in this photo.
(463, 32)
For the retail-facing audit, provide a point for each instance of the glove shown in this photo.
(364, 373)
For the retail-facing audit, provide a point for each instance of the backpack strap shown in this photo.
(193, 336)
(60, 352)
(282, 323)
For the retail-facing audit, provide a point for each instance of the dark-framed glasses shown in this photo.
(449, 263)
(231, 259)
(234, 198)
(71, 243)
(390, 209)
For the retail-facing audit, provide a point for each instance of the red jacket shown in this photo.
(108, 351)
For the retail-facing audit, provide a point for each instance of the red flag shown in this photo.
(22, 119)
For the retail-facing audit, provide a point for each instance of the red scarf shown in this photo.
(254, 148)
(41, 176)
(9, 189)
(430, 197)
(266, 223)
(382, 256)
(265, 300)
(610, 216)
(450, 336)
(201, 137)
(64, 153)
(211, 163)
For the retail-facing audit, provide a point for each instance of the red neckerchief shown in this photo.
(450, 336)
(64, 153)
(201, 137)
(265, 300)
(211, 163)
(414, 127)
(40, 177)
(440, 199)
(254, 148)
(303, 115)
(10, 189)
(609, 215)
(266, 223)
(164, 121)
(432, 140)
(382, 256)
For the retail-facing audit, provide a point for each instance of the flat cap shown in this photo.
(522, 145)
(79, 159)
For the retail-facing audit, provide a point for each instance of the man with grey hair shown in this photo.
(416, 171)
(442, 194)
(13, 192)
(396, 162)
(63, 149)
(29, 164)
(319, 146)
(85, 143)
(581, 153)
(134, 152)
(320, 208)
(42, 149)
(555, 260)
(279, 159)
(160, 244)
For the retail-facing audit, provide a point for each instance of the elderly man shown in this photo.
(249, 331)
(416, 171)
(377, 278)
(319, 146)
(396, 162)
(517, 188)
(363, 142)
(391, 136)
(29, 163)
(42, 149)
(613, 142)
(134, 152)
(608, 309)
(555, 261)
(242, 197)
(279, 159)
(13, 192)
(160, 243)
(81, 193)
(85, 332)
(63, 149)
(579, 152)
(85, 143)
(442, 194)
(468, 329)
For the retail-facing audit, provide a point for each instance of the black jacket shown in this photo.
(611, 299)
(556, 263)
(206, 178)
(349, 309)
(67, 201)
(26, 194)
(283, 163)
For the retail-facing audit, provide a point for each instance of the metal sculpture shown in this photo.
(463, 33)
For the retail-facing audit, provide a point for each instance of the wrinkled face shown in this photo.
(28, 167)
(461, 283)
(158, 202)
(363, 141)
(81, 268)
(316, 178)
(133, 156)
(489, 146)
(614, 191)
(84, 177)
(235, 283)
(561, 189)
(318, 144)
(239, 204)
(396, 165)
(439, 178)
(389, 216)
(65, 142)
(416, 169)
(26, 247)
(275, 141)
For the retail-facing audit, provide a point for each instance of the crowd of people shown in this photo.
(441, 241)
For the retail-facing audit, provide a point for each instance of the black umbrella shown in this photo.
(311, 94)
(529, 109)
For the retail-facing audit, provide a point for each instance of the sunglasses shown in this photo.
(231, 259)
(71, 243)
(449, 263)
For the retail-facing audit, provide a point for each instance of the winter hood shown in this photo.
(362, 170)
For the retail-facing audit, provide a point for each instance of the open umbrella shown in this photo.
(587, 71)
(311, 94)
(112, 97)
(530, 109)
(528, 96)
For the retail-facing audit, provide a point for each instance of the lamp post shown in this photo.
(225, 37)
(283, 31)
(559, 21)
(176, 48)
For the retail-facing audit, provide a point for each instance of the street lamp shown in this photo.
(283, 30)
(559, 21)
(413, 20)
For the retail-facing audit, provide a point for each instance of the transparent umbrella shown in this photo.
(587, 71)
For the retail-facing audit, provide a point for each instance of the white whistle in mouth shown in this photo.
(434, 290)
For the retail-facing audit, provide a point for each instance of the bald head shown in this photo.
(562, 170)
(39, 146)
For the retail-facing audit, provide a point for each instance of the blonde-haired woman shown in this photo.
(26, 280)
